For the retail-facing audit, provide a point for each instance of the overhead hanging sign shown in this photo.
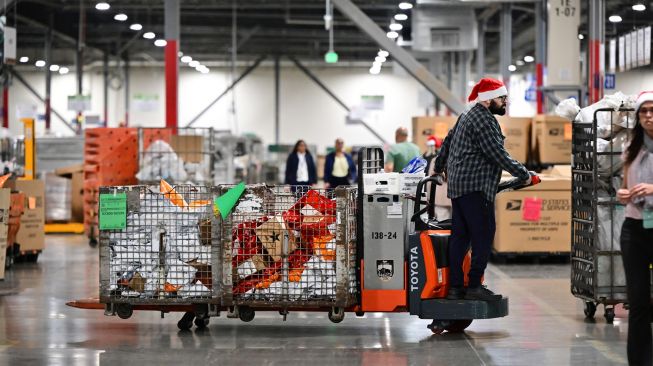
(613, 56)
(9, 55)
(562, 66)
(144, 102)
(647, 46)
(79, 103)
(622, 54)
(633, 49)
(640, 47)
(373, 102)
(627, 51)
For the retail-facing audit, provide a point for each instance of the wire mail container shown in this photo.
(179, 155)
(290, 247)
(167, 253)
(597, 273)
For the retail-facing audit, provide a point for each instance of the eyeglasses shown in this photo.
(645, 111)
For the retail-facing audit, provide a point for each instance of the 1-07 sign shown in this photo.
(565, 8)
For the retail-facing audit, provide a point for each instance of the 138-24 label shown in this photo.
(384, 235)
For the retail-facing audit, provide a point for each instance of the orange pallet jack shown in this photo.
(400, 269)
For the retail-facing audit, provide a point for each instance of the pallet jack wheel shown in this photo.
(458, 326)
(246, 314)
(590, 309)
(609, 315)
(202, 322)
(124, 311)
(336, 315)
(186, 321)
(451, 326)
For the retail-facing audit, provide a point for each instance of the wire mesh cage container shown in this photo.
(181, 155)
(597, 273)
(289, 246)
(158, 245)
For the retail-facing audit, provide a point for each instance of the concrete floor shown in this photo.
(546, 326)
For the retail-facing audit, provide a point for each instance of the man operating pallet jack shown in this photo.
(473, 156)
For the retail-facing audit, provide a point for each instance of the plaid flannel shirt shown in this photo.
(473, 155)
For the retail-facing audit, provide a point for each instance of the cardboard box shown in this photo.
(551, 140)
(5, 196)
(188, 148)
(408, 182)
(423, 127)
(382, 183)
(31, 235)
(518, 135)
(551, 233)
(76, 175)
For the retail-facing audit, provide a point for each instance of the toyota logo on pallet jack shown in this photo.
(385, 269)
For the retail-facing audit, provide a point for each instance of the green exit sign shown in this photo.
(331, 57)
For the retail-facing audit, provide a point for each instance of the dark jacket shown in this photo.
(291, 169)
(328, 167)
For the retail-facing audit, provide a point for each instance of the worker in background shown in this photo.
(300, 166)
(637, 231)
(473, 156)
(339, 167)
(401, 153)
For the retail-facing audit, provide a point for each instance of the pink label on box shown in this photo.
(532, 209)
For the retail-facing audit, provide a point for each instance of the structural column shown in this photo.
(48, 74)
(81, 43)
(126, 68)
(505, 41)
(596, 40)
(277, 91)
(171, 64)
(540, 52)
(105, 72)
(480, 51)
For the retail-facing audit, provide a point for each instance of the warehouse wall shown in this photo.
(306, 111)
(633, 82)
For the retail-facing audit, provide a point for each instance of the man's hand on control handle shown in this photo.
(439, 178)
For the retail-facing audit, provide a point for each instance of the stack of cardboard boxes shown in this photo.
(540, 141)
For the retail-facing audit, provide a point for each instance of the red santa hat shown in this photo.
(433, 141)
(643, 97)
(486, 89)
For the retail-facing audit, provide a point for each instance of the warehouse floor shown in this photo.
(545, 327)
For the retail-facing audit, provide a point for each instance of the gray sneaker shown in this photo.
(481, 293)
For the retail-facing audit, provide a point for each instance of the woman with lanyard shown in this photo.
(637, 231)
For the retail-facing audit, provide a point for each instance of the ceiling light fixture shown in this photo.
(512, 68)
(39, 63)
(615, 19)
(149, 35)
(529, 58)
(160, 43)
(193, 63)
(136, 27)
(405, 5)
(519, 63)
(384, 53)
(180, 54)
(401, 17)
(186, 59)
(396, 26)
(24, 59)
(120, 17)
(581, 37)
(64, 70)
(54, 67)
(102, 6)
(375, 70)
(379, 59)
(639, 7)
(392, 34)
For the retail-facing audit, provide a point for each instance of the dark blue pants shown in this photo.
(472, 224)
(637, 254)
